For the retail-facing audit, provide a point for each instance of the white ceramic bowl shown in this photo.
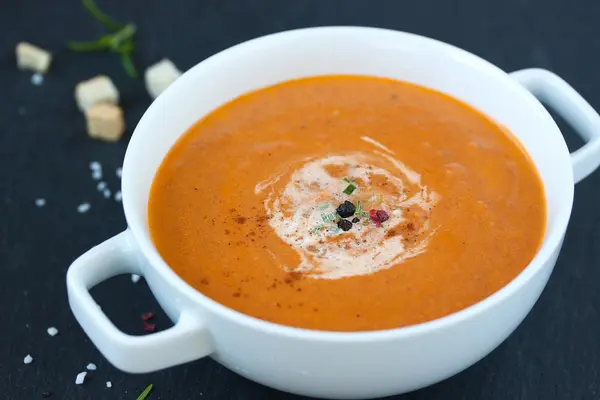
(316, 363)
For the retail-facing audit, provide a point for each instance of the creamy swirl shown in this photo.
(300, 213)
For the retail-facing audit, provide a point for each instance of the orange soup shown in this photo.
(347, 203)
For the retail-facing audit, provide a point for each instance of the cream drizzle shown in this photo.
(376, 143)
(330, 253)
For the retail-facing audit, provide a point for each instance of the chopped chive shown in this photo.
(317, 228)
(359, 207)
(323, 206)
(346, 180)
(335, 230)
(349, 189)
(328, 217)
(364, 214)
(145, 393)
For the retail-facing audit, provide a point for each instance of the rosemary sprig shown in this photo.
(101, 16)
(128, 64)
(120, 41)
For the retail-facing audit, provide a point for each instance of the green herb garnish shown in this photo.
(335, 230)
(128, 65)
(351, 186)
(317, 228)
(145, 393)
(323, 206)
(102, 17)
(349, 189)
(328, 217)
(120, 41)
(364, 214)
(359, 208)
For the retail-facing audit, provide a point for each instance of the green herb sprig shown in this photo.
(120, 41)
(145, 393)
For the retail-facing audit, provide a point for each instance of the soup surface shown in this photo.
(347, 203)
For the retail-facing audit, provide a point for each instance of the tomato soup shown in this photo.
(347, 203)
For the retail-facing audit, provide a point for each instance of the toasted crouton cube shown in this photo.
(32, 57)
(99, 89)
(160, 76)
(105, 122)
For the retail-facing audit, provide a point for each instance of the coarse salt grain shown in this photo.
(83, 208)
(37, 79)
(52, 331)
(106, 193)
(95, 165)
(118, 196)
(97, 174)
(119, 171)
(135, 278)
(40, 202)
(109, 384)
(101, 186)
(91, 367)
(28, 359)
(80, 378)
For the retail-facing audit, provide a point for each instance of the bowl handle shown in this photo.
(562, 98)
(187, 340)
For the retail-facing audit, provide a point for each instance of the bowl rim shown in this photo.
(552, 241)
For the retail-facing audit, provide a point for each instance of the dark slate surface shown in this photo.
(44, 152)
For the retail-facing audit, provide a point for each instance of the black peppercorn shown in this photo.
(344, 225)
(355, 220)
(346, 209)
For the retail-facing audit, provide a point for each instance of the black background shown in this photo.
(44, 152)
